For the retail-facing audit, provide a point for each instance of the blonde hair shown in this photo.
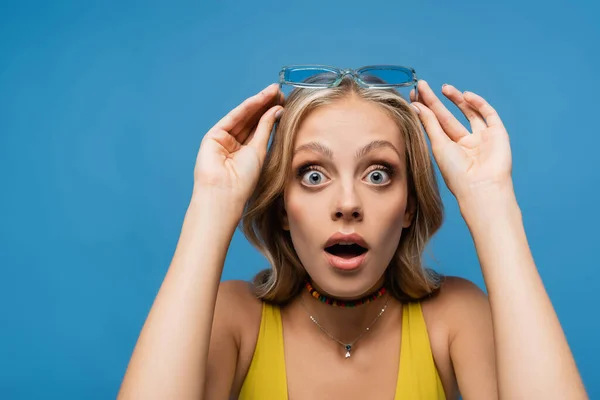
(406, 278)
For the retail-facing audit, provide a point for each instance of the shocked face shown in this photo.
(346, 201)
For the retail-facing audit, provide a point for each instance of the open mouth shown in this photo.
(346, 250)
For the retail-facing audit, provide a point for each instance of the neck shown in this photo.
(332, 301)
(345, 323)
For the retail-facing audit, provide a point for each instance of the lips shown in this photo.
(346, 250)
(345, 264)
(346, 246)
(346, 239)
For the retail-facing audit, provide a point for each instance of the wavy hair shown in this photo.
(405, 277)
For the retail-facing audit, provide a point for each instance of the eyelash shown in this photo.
(379, 166)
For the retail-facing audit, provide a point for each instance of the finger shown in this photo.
(453, 128)
(488, 113)
(241, 131)
(413, 95)
(260, 137)
(247, 108)
(436, 134)
(475, 119)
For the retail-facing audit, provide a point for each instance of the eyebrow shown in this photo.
(327, 152)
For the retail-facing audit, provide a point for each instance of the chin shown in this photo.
(347, 287)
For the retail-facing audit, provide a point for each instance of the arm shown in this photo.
(170, 360)
(470, 338)
(170, 357)
(523, 353)
(532, 356)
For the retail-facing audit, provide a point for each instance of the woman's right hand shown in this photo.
(232, 152)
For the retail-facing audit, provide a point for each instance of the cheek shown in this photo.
(298, 216)
(303, 211)
(388, 216)
(392, 217)
(305, 217)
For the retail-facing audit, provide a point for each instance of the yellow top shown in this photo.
(418, 377)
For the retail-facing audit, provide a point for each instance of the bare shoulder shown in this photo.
(456, 294)
(238, 307)
(457, 301)
(459, 322)
(235, 326)
(459, 308)
(237, 292)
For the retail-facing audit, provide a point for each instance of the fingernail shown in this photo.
(444, 85)
(416, 108)
(278, 113)
(266, 90)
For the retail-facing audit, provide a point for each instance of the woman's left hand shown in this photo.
(471, 163)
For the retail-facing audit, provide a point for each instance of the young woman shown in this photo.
(342, 204)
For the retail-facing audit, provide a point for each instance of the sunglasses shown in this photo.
(372, 76)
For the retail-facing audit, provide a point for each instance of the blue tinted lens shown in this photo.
(314, 76)
(386, 76)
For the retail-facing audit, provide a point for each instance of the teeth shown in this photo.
(346, 243)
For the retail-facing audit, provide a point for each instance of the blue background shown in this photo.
(103, 106)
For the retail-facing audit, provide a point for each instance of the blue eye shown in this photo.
(313, 177)
(378, 176)
(311, 174)
(381, 173)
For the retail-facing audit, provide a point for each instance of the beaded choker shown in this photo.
(342, 303)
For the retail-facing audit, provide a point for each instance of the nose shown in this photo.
(347, 206)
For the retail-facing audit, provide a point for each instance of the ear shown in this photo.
(409, 213)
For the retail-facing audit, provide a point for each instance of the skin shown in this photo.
(352, 195)
(487, 348)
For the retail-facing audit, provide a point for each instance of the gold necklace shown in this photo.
(347, 346)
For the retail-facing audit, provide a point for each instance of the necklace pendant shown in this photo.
(348, 349)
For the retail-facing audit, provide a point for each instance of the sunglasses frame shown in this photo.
(354, 73)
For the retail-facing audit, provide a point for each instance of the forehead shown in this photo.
(349, 123)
